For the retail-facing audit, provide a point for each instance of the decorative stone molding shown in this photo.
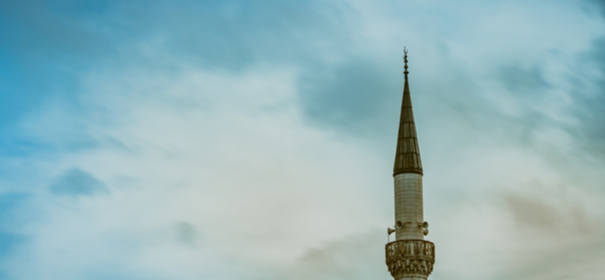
(412, 258)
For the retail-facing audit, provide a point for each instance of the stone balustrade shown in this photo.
(409, 259)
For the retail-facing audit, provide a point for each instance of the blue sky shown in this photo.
(255, 140)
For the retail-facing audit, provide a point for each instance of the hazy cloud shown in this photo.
(78, 182)
(349, 95)
(186, 233)
(523, 81)
(589, 95)
(533, 213)
(352, 257)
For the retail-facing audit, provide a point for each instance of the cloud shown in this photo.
(9, 241)
(589, 83)
(78, 182)
(566, 238)
(519, 80)
(226, 157)
(186, 233)
(348, 96)
(351, 257)
(536, 214)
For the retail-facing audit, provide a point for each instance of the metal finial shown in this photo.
(405, 61)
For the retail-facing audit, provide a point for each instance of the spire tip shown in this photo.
(405, 62)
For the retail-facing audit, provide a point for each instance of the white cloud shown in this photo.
(227, 154)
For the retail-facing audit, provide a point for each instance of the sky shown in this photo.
(255, 140)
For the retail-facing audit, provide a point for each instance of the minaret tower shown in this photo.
(409, 256)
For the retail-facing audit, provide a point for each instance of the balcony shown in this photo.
(412, 258)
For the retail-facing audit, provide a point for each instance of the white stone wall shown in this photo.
(408, 206)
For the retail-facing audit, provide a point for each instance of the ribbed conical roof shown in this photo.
(407, 157)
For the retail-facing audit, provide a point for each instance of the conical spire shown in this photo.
(407, 157)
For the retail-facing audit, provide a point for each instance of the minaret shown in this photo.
(409, 256)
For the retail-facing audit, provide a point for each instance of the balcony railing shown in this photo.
(410, 258)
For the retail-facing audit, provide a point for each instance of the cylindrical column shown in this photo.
(408, 206)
